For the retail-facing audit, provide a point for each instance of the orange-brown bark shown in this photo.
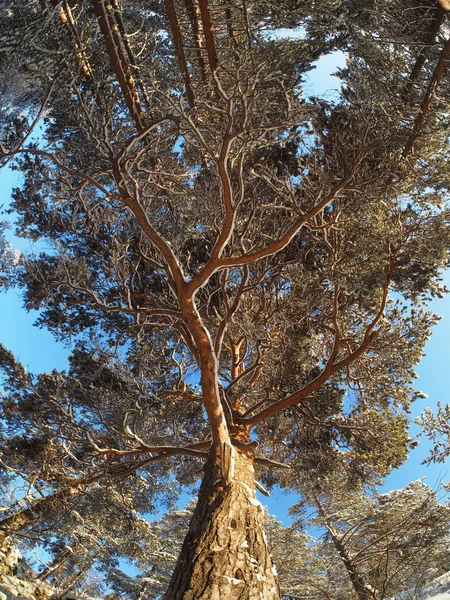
(120, 65)
(438, 73)
(193, 15)
(179, 49)
(208, 33)
(128, 49)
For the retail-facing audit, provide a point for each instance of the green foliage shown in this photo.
(222, 253)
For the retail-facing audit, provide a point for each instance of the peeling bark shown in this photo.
(225, 553)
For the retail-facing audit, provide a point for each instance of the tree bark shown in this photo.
(225, 553)
(362, 591)
(26, 516)
(438, 73)
(439, 13)
(54, 565)
(179, 49)
(121, 67)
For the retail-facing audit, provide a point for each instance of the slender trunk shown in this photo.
(67, 20)
(179, 49)
(129, 51)
(359, 586)
(438, 18)
(438, 73)
(72, 582)
(109, 30)
(362, 591)
(54, 565)
(22, 518)
(225, 553)
(194, 17)
(231, 33)
(208, 33)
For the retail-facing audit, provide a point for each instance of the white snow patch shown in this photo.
(255, 502)
(438, 589)
(246, 487)
(232, 580)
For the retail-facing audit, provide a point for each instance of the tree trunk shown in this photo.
(23, 518)
(439, 13)
(225, 553)
(362, 591)
(54, 565)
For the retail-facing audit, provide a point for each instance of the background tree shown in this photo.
(436, 428)
(382, 544)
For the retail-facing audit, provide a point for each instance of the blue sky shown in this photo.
(38, 350)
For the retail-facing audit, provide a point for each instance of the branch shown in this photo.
(183, 394)
(35, 120)
(439, 14)
(193, 16)
(208, 33)
(426, 102)
(222, 263)
(179, 49)
(268, 462)
(330, 367)
(109, 29)
(129, 51)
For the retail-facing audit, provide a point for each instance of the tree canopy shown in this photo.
(241, 271)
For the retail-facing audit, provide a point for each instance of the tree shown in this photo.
(228, 244)
(290, 549)
(8, 257)
(436, 428)
(380, 544)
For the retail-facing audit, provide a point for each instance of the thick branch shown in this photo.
(238, 261)
(331, 367)
(426, 102)
(119, 63)
(438, 17)
(208, 33)
(179, 49)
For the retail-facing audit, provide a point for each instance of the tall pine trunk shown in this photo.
(225, 553)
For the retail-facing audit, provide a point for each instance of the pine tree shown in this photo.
(436, 428)
(227, 244)
(379, 545)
